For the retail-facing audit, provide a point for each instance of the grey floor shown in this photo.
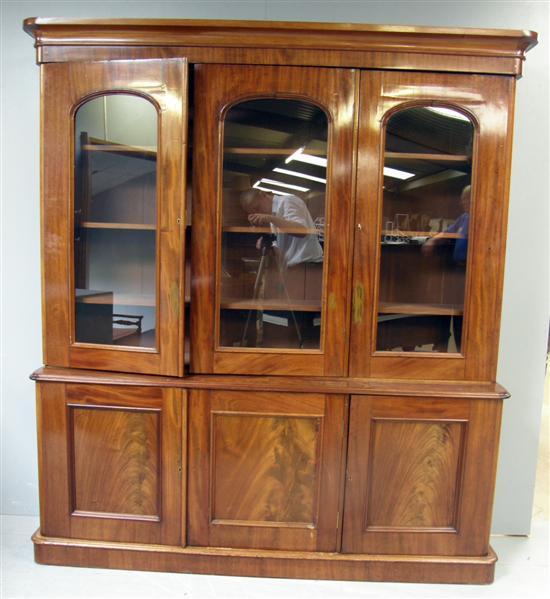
(522, 572)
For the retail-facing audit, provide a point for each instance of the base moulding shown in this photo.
(271, 564)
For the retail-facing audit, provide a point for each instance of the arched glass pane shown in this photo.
(115, 214)
(273, 219)
(425, 226)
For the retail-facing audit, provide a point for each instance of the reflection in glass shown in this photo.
(115, 221)
(273, 219)
(425, 226)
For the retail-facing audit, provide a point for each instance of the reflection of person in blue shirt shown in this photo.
(460, 227)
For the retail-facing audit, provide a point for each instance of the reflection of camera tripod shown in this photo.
(267, 243)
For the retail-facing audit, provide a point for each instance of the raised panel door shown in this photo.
(416, 468)
(265, 470)
(111, 462)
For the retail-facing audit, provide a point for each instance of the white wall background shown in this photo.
(525, 313)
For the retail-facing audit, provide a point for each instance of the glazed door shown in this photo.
(434, 152)
(266, 470)
(272, 205)
(114, 136)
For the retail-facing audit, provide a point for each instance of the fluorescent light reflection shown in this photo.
(449, 112)
(287, 185)
(395, 173)
(285, 171)
(276, 191)
(301, 157)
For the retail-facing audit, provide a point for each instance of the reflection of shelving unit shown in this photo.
(260, 230)
(271, 304)
(271, 151)
(420, 309)
(101, 145)
(127, 226)
(116, 190)
(428, 157)
(421, 234)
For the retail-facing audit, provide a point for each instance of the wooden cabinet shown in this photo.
(273, 258)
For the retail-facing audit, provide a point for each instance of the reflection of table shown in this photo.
(94, 316)
(409, 331)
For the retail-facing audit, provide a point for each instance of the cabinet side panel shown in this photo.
(55, 189)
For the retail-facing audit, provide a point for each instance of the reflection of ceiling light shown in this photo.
(299, 155)
(449, 112)
(396, 173)
(281, 193)
(284, 171)
(273, 182)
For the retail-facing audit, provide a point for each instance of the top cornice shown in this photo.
(495, 43)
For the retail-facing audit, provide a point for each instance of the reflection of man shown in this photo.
(460, 227)
(284, 212)
(460, 251)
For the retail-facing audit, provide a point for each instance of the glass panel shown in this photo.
(273, 220)
(425, 222)
(115, 213)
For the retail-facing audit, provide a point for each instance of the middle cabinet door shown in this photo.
(266, 469)
(271, 226)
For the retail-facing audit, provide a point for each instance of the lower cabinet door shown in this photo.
(265, 469)
(420, 475)
(110, 462)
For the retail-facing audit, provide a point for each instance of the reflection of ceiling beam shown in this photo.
(440, 177)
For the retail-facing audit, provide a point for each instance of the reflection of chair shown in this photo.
(126, 324)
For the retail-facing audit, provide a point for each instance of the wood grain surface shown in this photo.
(265, 470)
(445, 390)
(116, 461)
(417, 469)
(111, 462)
(437, 43)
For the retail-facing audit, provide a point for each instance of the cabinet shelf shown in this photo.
(271, 304)
(127, 226)
(420, 309)
(121, 299)
(271, 151)
(102, 145)
(400, 233)
(269, 230)
(430, 157)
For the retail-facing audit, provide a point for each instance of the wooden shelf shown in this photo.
(272, 151)
(430, 157)
(121, 299)
(421, 234)
(269, 230)
(128, 226)
(295, 305)
(102, 145)
(421, 309)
